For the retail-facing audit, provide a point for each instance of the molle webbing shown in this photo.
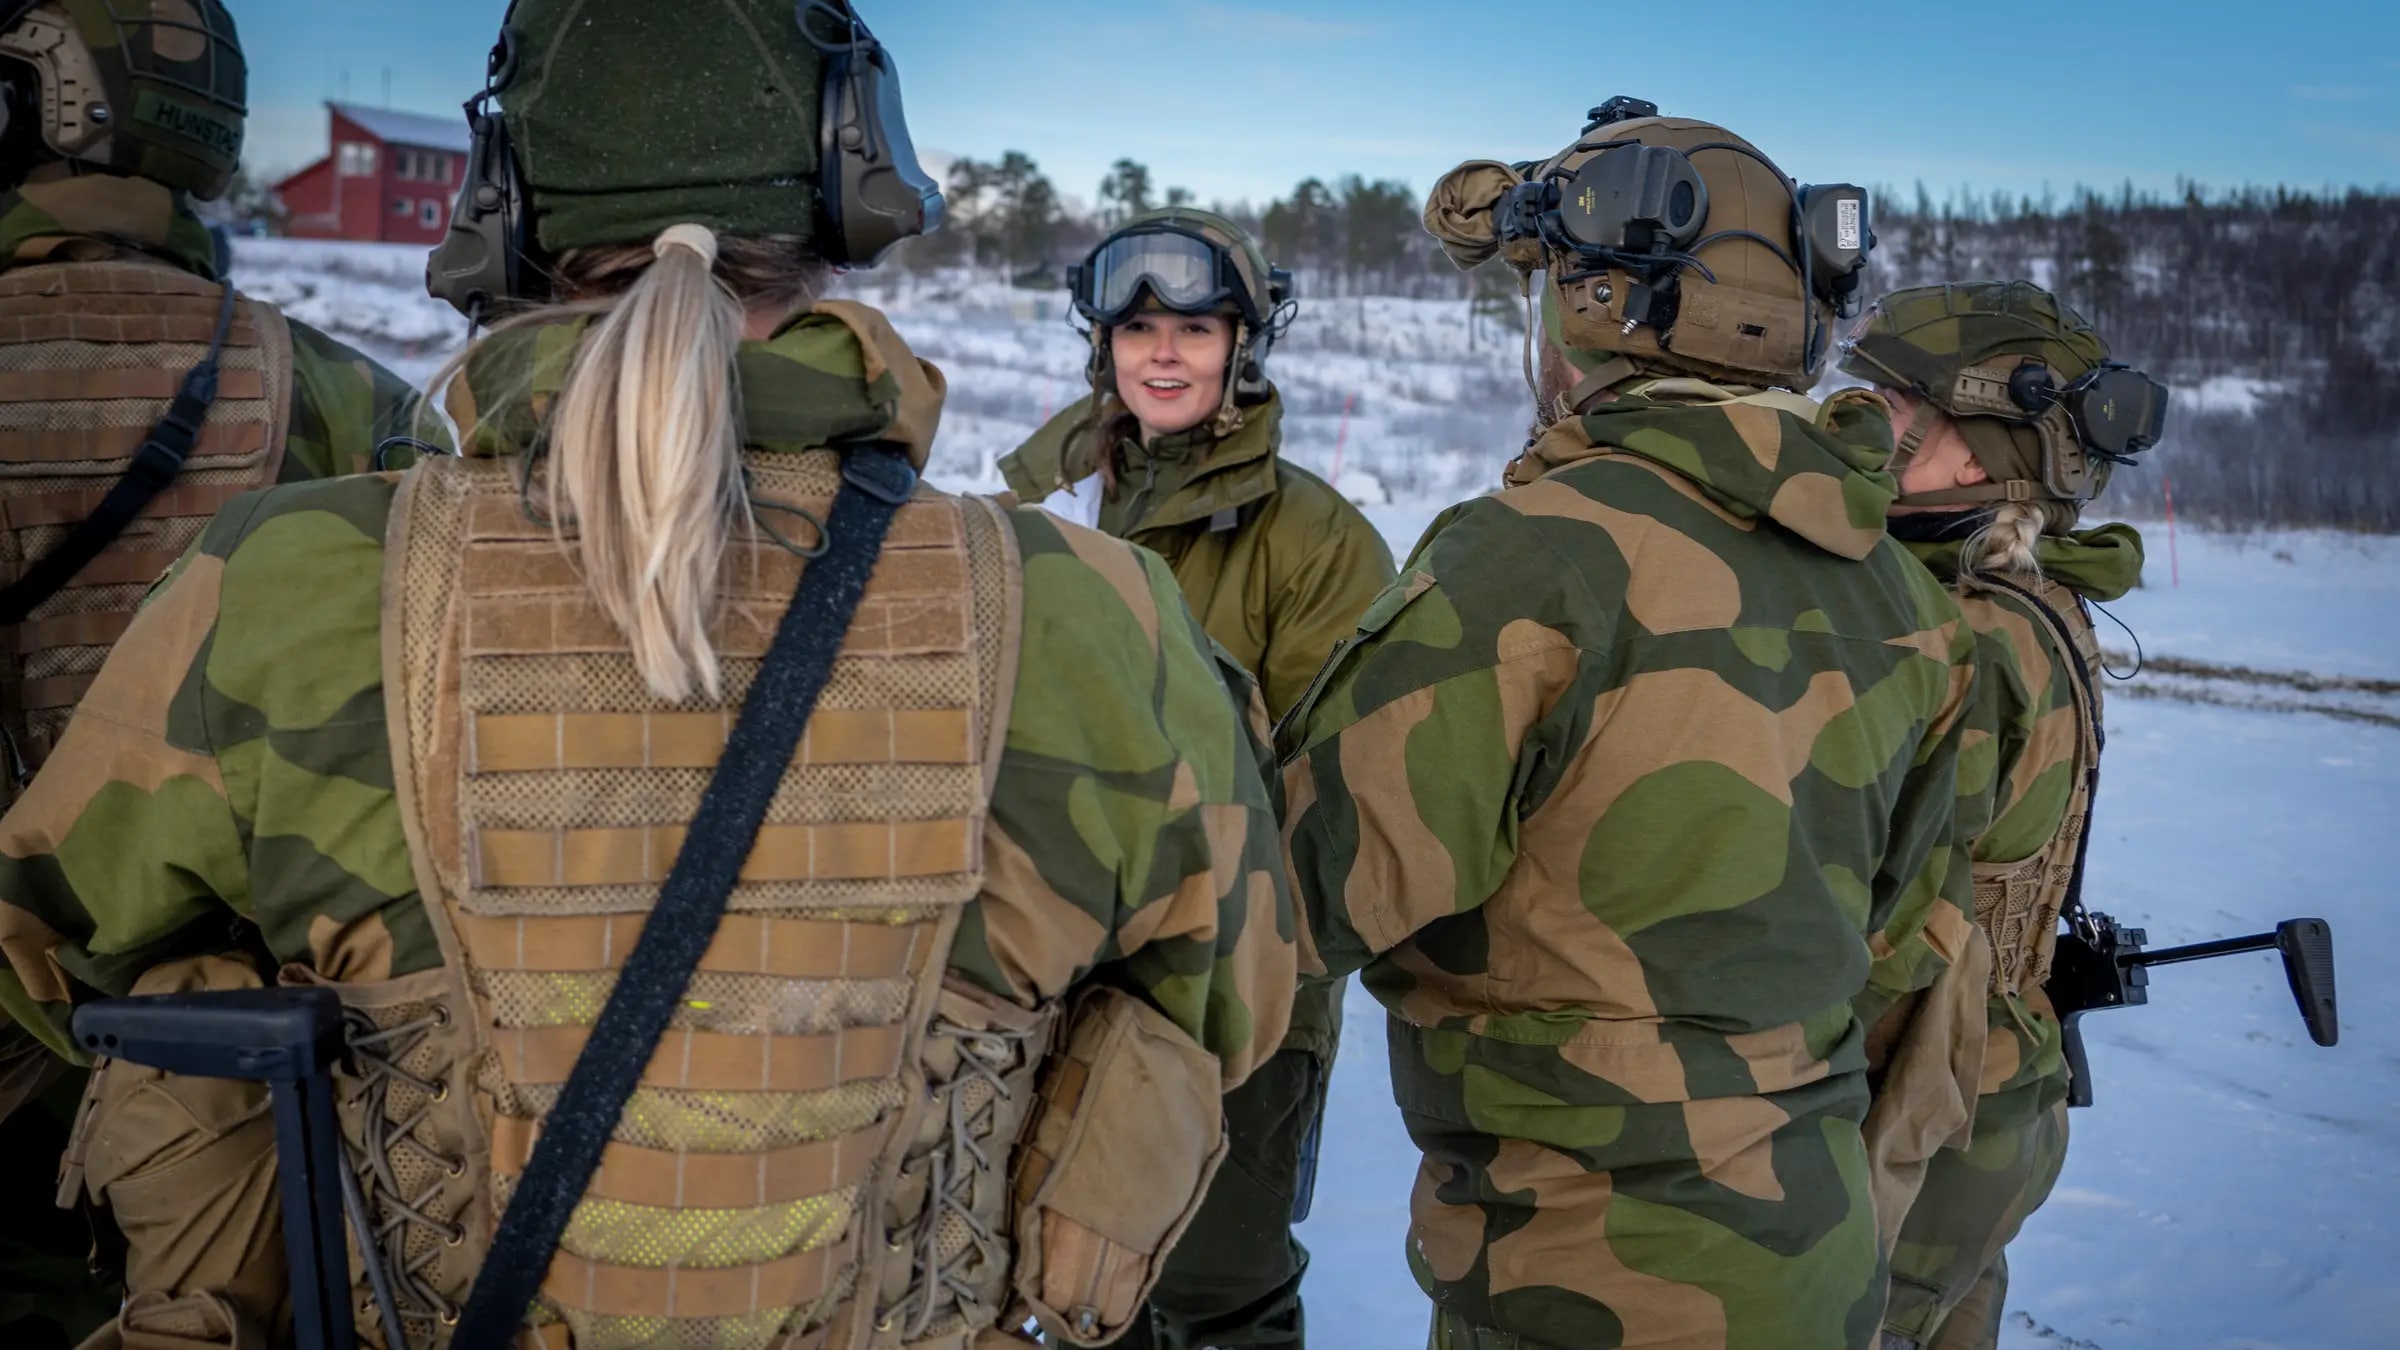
(90, 355)
(2017, 904)
(546, 791)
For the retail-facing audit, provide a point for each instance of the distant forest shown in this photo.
(2279, 309)
(2298, 291)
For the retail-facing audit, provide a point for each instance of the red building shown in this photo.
(389, 177)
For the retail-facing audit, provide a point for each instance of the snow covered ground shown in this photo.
(2235, 1188)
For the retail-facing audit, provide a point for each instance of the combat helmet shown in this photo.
(148, 88)
(1190, 262)
(2041, 406)
(1669, 246)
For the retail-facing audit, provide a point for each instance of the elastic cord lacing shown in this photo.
(378, 1052)
(956, 1164)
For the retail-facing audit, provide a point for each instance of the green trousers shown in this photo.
(1950, 1270)
(1233, 1280)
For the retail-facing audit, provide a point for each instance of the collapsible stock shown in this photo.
(288, 1039)
(2100, 964)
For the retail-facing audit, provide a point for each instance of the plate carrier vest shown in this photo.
(818, 1153)
(91, 353)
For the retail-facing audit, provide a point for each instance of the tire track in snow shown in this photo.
(2350, 698)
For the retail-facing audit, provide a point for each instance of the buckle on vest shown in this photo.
(156, 463)
(879, 472)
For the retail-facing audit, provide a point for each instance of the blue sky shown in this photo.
(1242, 100)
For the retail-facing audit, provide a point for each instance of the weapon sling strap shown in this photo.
(679, 929)
(154, 466)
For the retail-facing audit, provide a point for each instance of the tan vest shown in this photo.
(91, 353)
(2017, 904)
(818, 1152)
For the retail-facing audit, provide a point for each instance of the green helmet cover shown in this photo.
(154, 89)
(1957, 346)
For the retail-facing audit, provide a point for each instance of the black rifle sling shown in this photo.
(154, 465)
(681, 925)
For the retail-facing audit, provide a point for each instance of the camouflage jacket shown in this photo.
(1618, 796)
(2019, 755)
(227, 784)
(343, 404)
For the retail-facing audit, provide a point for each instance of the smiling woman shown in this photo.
(1170, 367)
(1182, 432)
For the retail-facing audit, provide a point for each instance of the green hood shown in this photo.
(2101, 563)
(835, 374)
(1190, 475)
(1818, 471)
(45, 217)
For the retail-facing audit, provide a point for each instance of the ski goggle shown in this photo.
(1185, 274)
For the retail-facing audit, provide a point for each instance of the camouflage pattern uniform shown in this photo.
(235, 799)
(1277, 566)
(1621, 796)
(127, 196)
(2027, 753)
(1949, 1273)
(1557, 813)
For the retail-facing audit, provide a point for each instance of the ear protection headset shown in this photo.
(1639, 209)
(2110, 413)
(871, 192)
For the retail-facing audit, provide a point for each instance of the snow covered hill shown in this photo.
(2235, 1188)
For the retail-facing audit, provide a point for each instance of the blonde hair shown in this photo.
(645, 437)
(2006, 541)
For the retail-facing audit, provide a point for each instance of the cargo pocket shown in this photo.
(186, 1168)
(1127, 1137)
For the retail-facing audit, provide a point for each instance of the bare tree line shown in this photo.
(1347, 236)
(2277, 311)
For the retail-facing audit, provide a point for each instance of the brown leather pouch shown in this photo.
(1129, 1132)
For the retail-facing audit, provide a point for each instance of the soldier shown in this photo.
(1182, 429)
(118, 114)
(446, 784)
(2013, 419)
(1620, 792)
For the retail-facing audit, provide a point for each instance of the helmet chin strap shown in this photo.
(1230, 415)
(1912, 437)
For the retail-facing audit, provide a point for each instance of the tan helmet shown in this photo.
(1669, 246)
(150, 88)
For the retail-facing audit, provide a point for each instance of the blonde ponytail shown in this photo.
(645, 433)
(646, 452)
(2006, 541)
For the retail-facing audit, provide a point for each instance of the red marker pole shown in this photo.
(1047, 387)
(2174, 564)
(1340, 439)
